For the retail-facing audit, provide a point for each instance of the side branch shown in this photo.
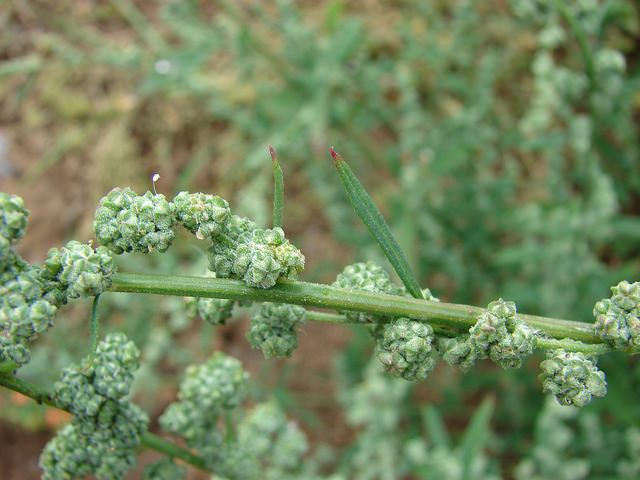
(438, 314)
(148, 440)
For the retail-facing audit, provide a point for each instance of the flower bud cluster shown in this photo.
(208, 390)
(273, 446)
(78, 270)
(405, 349)
(105, 431)
(13, 222)
(215, 311)
(257, 256)
(202, 214)
(164, 469)
(497, 335)
(127, 222)
(618, 317)
(368, 277)
(24, 311)
(572, 377)
(273, 329)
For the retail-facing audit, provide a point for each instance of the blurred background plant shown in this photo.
(500, 139)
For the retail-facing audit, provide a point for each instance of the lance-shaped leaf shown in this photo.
(375, 222)
(278, 190)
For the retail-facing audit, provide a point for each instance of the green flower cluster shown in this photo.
(105, 431)
(164, 469)
(272, 447)
(30, 295)
(257, 256)
(368, 277)
(77, 271)
(127, 222)
(618, 317)
(497, 335)
(13, 222)
(208, 391)
(572, 377)
(202, 214)
(215, 311)
(273, 329)
(405, 349)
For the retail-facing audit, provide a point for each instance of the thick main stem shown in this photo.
(439, 314)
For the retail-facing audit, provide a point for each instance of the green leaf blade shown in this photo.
(278, 189)
(376, 224)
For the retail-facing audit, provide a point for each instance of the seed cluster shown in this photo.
(127, 222)
(29, 294)
(405, 349)
(105, 431)
(497, 335)
(273, 329)
(367, 277)
(572, 377)
(618, 317)
(208, 391)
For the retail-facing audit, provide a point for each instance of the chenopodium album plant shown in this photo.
(247, 263)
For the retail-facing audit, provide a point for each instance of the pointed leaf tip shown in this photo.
(272, 153)
(335, 155)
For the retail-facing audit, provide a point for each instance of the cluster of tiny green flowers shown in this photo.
(164, 469)
(215, 311)
(13, 222)
(202, 214)
(273, 329)
(127, 222)
(618, 317)
(105, 431)
(257, 256)
(273, 445)
(497, 335)
(572, 377)
(30, 295)
(368, 277)
(209, 390)
(405, 349)
(78, 270)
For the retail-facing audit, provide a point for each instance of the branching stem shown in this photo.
(148, 440)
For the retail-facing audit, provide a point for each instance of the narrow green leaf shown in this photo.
(375, 222)
(278, 190)
(435, 427)
(475, 436)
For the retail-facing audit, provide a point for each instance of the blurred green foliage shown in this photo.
(500, 139)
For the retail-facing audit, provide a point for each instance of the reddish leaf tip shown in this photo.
(336, 156)
(273, 153)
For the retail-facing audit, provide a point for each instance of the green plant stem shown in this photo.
(439, 314)
(148, 440)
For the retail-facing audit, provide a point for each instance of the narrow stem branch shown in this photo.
(439, 314)
(148, 440)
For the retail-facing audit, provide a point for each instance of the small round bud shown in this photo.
(618, 318)
(126, 222)
(202, 214)
(215, 311)
(405, 349)
(273, 329)
(573, 378)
